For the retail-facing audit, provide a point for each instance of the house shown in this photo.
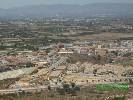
(62, 68)
(55, 74)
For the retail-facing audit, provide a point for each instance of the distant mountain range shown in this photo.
(61, 10)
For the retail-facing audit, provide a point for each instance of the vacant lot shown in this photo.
(105, 36)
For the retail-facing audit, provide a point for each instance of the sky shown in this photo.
(19, 3)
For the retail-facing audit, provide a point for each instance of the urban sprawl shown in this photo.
(65, 55)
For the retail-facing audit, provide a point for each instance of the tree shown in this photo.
(49, 88)
(73, 85)
(29, 64)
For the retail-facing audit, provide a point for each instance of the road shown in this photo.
(38, 88)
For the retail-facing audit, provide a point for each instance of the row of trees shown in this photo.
(68, 89)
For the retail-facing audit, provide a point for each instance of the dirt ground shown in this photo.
(105, 36)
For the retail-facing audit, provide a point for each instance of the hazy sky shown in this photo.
(17, 3)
